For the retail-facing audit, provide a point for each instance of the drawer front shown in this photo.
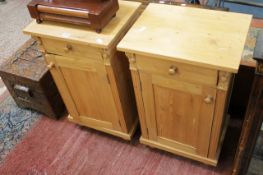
(73, 50)
(175, 70)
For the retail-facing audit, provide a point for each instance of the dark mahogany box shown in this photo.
(93, 13)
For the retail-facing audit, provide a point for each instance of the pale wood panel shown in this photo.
(220, 116)
(84, 35)
(189, 35)
(222, 136)
(87, 65)
(83, 83)
(220, 111)
(62, 87)
(66, 48)
(182, 86)
(95, 123)
(205, 121)
(98, 105)
(177, 151)
(148, 103)
(122, 88)
(177, 115)
(184, 117)
(183, 71)
(139, 101)
(115, 93)
(84, 96)
(126, 136)
(176, 145)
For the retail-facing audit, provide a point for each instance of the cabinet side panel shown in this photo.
(122, 79)
(220, 112)
(148, 101)
(116, 96)
(224, 90)
(139, 101)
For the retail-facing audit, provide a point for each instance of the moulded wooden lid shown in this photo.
(26, 62)
(208, 38)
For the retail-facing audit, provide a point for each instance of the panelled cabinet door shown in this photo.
(84, 84)
(178, 114)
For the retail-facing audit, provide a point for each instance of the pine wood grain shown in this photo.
(183, 71)
(70, 49)
(189, 35)
(139, 101)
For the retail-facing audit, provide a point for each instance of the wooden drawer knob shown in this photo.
(67, 48)
(51, 65)
(172, 70)
(209, 99)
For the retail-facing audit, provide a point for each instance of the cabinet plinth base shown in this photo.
(155, 144)
(123, 135)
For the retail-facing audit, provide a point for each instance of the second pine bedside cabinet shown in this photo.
(182, 62)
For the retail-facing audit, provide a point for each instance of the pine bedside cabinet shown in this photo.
(93, 80)
(182, 62)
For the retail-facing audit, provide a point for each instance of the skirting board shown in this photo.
(125, 136)
(154, 144)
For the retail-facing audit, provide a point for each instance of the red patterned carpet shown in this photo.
(60, 147)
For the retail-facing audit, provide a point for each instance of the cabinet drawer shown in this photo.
(70, 49)
(175, 70)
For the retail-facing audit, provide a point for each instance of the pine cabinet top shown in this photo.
(208, 38)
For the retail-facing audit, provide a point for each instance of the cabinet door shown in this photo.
(178, 113)
(85, 88)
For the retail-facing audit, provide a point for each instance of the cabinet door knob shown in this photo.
(51, 65)
(67, 48)
(209, 99)
(172, 70)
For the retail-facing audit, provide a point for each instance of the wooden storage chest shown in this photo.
(30, 83)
